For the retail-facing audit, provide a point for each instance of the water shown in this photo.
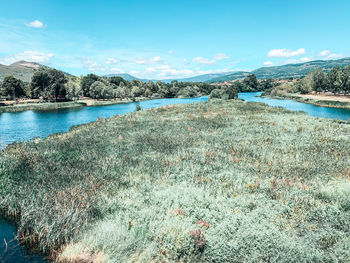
(10, 250)
(312, 110)
(23, 126)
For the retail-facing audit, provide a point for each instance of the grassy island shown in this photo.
(221, 181)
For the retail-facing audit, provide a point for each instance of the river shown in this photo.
(23, 126)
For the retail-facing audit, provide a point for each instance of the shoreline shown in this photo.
(317, 102)
(47, 106)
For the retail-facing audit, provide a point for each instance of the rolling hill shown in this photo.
(21, 69)
(285, 71)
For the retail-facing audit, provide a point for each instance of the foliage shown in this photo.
(337, 80)
(49, 84)
(86, 83)
(227, 93)
(98, 90)
(221, 181)
(12, 88)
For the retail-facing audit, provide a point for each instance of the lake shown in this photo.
(23, 126)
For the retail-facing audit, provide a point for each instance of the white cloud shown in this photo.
(171, 52)
(207, 61)
(327, 54)
(150, 61)
(93, 66)
(116, 70)
(306, 59)
(28, 55)
(204, 61)
(150, 70)
(220, 56)
(268, 63)
(35, 24)
(111, 61)
(285, 53)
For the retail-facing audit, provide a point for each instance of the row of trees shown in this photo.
(337, 81)
(51, 84)
(116, 87)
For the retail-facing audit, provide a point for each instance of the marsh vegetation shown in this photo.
(221, 181)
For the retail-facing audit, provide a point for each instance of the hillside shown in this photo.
(286, 71)
(126, 76)
(199, 78)
(20, 69)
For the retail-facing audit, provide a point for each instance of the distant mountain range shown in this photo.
(285, 71)
(199, 78)
(24, 70)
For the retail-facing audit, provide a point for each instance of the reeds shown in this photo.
(221, 181)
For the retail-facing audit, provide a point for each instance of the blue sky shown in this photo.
(166, 39)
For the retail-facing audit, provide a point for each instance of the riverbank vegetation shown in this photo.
(336, 81)
(320, 84)
(221, 181)
(51, 85)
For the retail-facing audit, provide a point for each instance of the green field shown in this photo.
(220, 181)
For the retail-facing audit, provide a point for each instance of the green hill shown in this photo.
(20, 69)
(286, 71)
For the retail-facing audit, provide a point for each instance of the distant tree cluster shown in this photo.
(116, 87)
(53, 85)
(337, 81)
(251, 84)
(12, 88)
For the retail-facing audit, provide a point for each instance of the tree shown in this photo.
(267, 84)
(136, 92)
(73, 90)
(57, 86)
(251, 83)
(344, 79)
(98, 90)
(319, 80)
(333, 80)
(40, 82)
(12, 87)
(117, 80)
(48, 83)
(86, 83)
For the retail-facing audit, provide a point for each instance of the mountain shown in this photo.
(199, 78)
(21, 69)
(126, 76)
(285, 71)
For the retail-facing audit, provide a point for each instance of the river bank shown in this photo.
(215, 181)
(47, 106)
(317, 99)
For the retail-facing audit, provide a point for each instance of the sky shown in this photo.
(159, 39)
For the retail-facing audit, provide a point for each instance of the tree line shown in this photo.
(337, 81)
(54, 85)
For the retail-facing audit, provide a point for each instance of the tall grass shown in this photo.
(211, 182)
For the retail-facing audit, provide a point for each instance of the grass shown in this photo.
(211, 182)
(40, 106)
